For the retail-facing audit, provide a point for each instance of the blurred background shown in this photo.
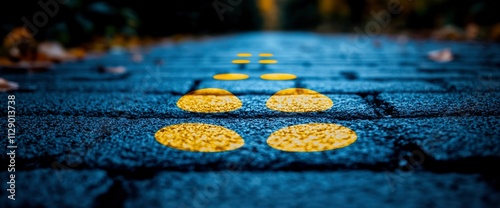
(98, 25)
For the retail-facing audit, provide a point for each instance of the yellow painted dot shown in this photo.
(231, 76)
(268, 61)
(209, 100)
(265, 54)
(244, 54)
(299, 100)
(312, 137)
(278, 76)
(199, 137)
(238, 61)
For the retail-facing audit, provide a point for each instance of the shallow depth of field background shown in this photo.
(79, 22)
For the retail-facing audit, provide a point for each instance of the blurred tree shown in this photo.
(74, 22)
(270, 14)
(80, 21)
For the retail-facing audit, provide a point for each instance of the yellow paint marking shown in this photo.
(299, 100)
(231, 76)
(268, 62)
(239, 61)
(199, 137)
(209, 100)
(312, 137)
(278, 76)
(244, 55)
(266, 54)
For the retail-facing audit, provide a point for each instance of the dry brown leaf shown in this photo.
(78, 53)
(4, 61)
(112, 70)
(137, 57)
(448, 33)
(6, 86)
(495, 32)
(442, 56)
(24, 66)
(19, 35)
(53, 51)
(472, 31)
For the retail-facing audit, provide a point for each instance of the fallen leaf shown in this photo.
(442, 56)
(18, 35)
(24, 66)
(112, 70)
(53, 51)
(20, 44)
(448, 33)
(137, 58)
(6, 86)
(4, 61)
(472, 31)
(495, 33)
(79, 53)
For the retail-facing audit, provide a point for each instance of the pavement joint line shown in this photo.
(298, 83)
(387, 108)
(431, 165)
(439, 82)
(223, 116)
(370, 99)
(196, 84)
(375, 167)
(257, 93)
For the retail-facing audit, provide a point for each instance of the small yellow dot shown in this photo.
(231, 76)
(299, 100)
(239, 61)
(209, 100)
(268, 62)
(278, 76)
(265, 54)
(312, 137)
(199, 137)
(244, 55)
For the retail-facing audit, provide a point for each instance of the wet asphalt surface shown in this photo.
(428, 133)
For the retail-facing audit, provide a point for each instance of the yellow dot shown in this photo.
(199, 137)
(268, 61)
(265, 54)
(238, 61)
(278, 76)
(244, 54)
(231, 76)
(312, 137)
(299, 100)
(209, 100)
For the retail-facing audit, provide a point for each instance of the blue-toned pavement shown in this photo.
(428, 132)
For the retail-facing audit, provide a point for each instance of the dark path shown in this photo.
(428, 133)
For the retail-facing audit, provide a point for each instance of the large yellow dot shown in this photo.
(278, 76)
(231, 76)
(265, 54)
(244, 54)
(209, 100)
(268, 62)
(199, 137)
(299, 100)
(239, 61)
(312, 137)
